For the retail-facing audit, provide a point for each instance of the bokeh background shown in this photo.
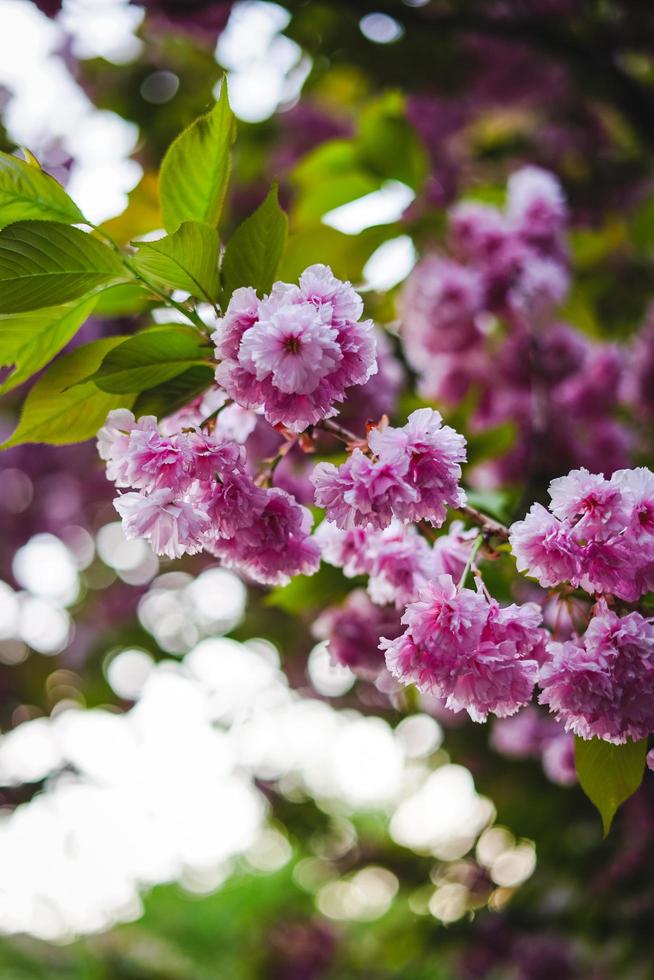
(188, 788)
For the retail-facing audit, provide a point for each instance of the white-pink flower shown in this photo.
(320, 286)
(476, 654)
(413, 475)
(536, 204)
(599, 534)
(295, 346)
(173, 527)
(113, 437)
(294, 353)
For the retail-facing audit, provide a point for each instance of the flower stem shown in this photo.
(264, 478)
(214, 415)
(474, 551)
(188, 312)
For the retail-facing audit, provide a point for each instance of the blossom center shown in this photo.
(293, 345)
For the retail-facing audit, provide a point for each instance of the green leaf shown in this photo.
(592, 246)
(30, 159)
(497, 503)
(609, 774)
(29, 340)
(171, 395)
(26, 193)
(492, 194)
(343, 170)
(491, 443)
(305, 592)
(58, 410)
(255, 249)
(388, 145)
(126, 299)
(150, 358)
(46, 264)
(329, 176)
(186, 260)
(195, 170)
(345, 254)
(642, 226)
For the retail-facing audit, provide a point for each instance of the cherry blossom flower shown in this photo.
(400, 564)
(602, 684)
(138, 455)
(430, 454)
(440, 305)
(398, 561)
(362, 492)
(275, 546)
(344, 549)
(414, 475)
(536, 207)
(476, 654)
(295, 352)
(598, 537)
(173, 527)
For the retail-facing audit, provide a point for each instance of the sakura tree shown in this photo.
(243, 358)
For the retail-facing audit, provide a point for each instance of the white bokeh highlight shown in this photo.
(265, 70)
(106, 826)
(47, 107)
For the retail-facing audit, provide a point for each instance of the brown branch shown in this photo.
(349, 438)
(490, 528)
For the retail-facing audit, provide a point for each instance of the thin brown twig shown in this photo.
(349, 438)
(489, 526)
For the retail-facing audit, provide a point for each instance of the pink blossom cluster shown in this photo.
(294, 353)
(511, 264)
(192, 491)
(412, 475)
(481, 324)
(365, 403)
(602, 684)
(597, 534)
(398, 561)
(462, 646)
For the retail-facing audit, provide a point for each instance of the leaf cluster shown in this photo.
(57, 269)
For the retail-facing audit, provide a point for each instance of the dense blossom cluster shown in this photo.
(193, 492)
(459, 645)
(398, 561)
(598, 534)
(228, 474)
(510, 264)
(412, 475)
(482, 323)
(602, 684)
(295, 352)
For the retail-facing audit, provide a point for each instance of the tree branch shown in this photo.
(490, 528)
